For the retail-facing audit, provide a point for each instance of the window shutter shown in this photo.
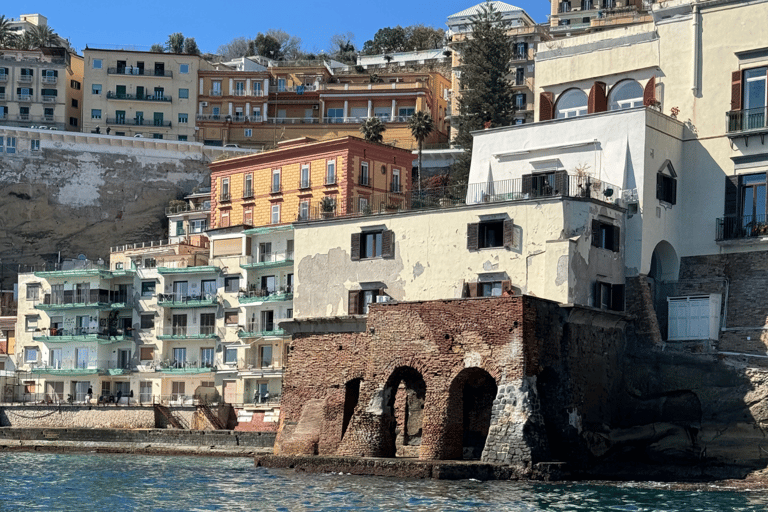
(387, 244)
(673, 194)
(598, 302)
(595, 233)
(355, 247)
(561, 183)
(598, 101)
(93, 296)
(649, 94)
(659, 186)
(472, 287)
(353, 307)
(617, 297)
(616, 238)
(731, 196)
(509, 229)
(546, 106)
(527, 184)
(736, 90)
(473, 234)
(68, 296)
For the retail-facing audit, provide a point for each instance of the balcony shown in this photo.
(134, 71)
(99, 299)
(266, 295)
(24, 79)
(746, 227)
(248, 193)
(26, 98)
(138, 122)
(49, 79)
(226, 118)
(214, 92)
(173, 210)
(178, 300)
(225, 197)
(203, 332)
(3, 77)
(83, 335)
(267, 260)
(137, 97)
(3, 96)
(49, 99)
(748, 120)
(255, 330)
(183, 267)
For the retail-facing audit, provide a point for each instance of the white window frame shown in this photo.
(30, 323)
(682, 317)
(96, 89)
(275, 186)
(304, 210)
(304, 177)
(365, 173)
(396, 180)
(183, 120)
(330, 172)
(230, 355)
(275, 214)
(34, 145)
(10, 145)
(33, 291)
(30, 351)
(94, 114)
(248, 132)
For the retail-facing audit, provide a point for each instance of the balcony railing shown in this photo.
(738, 121)
(204, 207)
(137, 97)
(305, 182)
(132, 70)
(225, 196)
(395, 188)
(257, 330)
(24, 97)
(445, 197)
(96, 298)
(266, 260)
(49, 79)
(25, 79)
(49, 99)
(746, 226)
(189, 332)
(138, 122)
(266, 295)
(179, 300)
(214, 92)
(3, 77)
(81, 334)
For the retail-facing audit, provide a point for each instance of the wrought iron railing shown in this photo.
(745, 226)
(745, 120)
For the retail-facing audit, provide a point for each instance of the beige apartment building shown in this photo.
(41, 88)
(141, 94)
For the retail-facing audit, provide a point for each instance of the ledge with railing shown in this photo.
(267, 260)
(189, 332)
(83, 334)
(738, 121)
(96, 298)
(179, 300)
(281, 293)
(137, 97)
(257, 330)
(203, 207)
(135, 71)
(138, 122)
(742, 227)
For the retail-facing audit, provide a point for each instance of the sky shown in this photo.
(104, 24)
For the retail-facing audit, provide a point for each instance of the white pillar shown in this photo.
(248, 86)
(346, 105)
(264, 112)
(394, 109)
(230, 108)
(231, 86)
(202, 84)
(247, 109)
(370, 108)
(200, 107)
(266, 92)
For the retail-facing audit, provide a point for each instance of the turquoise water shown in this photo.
(33, 481)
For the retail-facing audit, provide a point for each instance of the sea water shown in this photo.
(86, 482)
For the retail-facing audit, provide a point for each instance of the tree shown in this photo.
(24, 41)
(422, 37)
(421, 126)
(43, 36)
(387, 40)
(236, 48)
(267, 46)
(6, 35)
(175, 43)
(190, 46)
(290, 46)
(486, 94)
(372, 129)
(342, 49)
(157, 48)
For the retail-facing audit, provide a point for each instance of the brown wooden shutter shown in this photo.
(509, 228)
(598, 101)
(649, 94)
(617, 297)
(387, 244)
(355, 247)
(595, 233)
(561, 183)
(472, 287)
(473, 236)
(736, 90)
(527, 184)
(546, 106)
(731, 196)
(353, 307)
(616, 238)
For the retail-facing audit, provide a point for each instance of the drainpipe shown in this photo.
(695, 84)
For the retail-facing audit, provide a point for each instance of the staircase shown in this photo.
(172, 420)
(212, 418)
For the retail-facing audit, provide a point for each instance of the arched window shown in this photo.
(571, 103)
(626, 94)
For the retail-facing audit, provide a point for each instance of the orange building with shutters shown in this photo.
(305, 178)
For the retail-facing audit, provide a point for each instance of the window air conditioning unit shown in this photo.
(205, 103)
(383, 298)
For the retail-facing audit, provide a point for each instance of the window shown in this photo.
(268, 284)
(198, 226)
(183, 93)
(626, 94)
(362, 205)
(95, 113)
(96, 89)
(372, 244)
(147, 322)
(364, 176)
(304, 181)
(230, 355)
(225, 218)
(275, 180)
(268, 320)
(330, 172)
(184, 69)
(74, 103)
(231, 317)
(490, 233)
(34, 145)
(609, 296)
(405, 112)
(304, 210)
(335, 115)
(395, 181)
(150, 263)
(182, 138)
(10, 145)
(488, 288)
(225, 189)
(248, 216)
(360, 300)
(33, 291)
(275, 218)
(281, 85)
(30, 354)
(666, 184)
(30, 323)
(520, 76)
(74, 84)
(97, 63)
(206, 357)
(248, 186)
(232, 284)
(248, 132)
(545, 184)
(265, 356)
(571, 103)
(694, 318)
(72, 121)
(605, 235)
(147, 288)
(183, 118)
(207, 323)
(519, 101)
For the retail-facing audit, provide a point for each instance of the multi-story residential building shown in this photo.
(306, 178)
(574, 17)
(262, 108)
(419, 58)
(524, 36)
(190, 216)
(143, 94)
(41, 88)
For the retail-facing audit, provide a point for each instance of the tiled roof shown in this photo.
(501, 7)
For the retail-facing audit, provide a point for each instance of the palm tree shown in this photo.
(372, 129)
(6, 35)
(43, 35)
(24, 41)
(421, 126)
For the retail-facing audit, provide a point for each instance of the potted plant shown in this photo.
(327, 207)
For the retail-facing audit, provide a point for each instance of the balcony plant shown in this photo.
(327, 207)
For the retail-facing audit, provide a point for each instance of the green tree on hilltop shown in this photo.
(175, 43)
(486, 93)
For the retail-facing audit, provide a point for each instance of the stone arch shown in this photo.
(625, 94)
(468, 416)
(351, 398)
(665, 264)
(402, 416)
(571, 103)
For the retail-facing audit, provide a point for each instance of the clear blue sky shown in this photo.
(101, 23)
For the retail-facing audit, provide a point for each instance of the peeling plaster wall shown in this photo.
(553, 257)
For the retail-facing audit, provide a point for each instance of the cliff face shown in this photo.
(83, 194)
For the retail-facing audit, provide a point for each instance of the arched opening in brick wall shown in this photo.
(351, 397)
(470, 403)
(404, 392)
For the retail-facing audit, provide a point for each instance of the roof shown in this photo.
(501, 7)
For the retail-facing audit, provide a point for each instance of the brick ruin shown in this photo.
(505, 379)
